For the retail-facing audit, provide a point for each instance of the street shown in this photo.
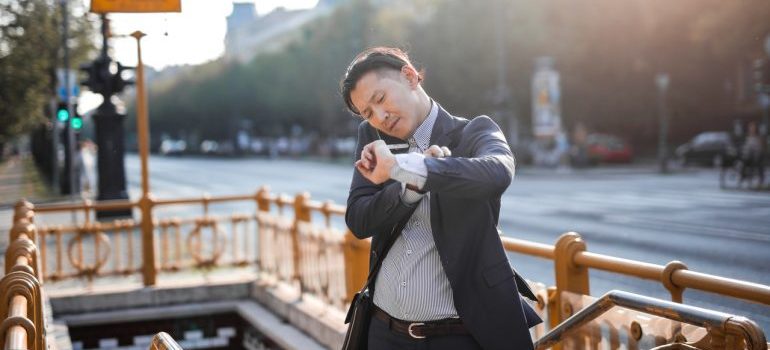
(628, 212)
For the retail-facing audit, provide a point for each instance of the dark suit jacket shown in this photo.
(464, 208)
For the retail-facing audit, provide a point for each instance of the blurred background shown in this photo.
(262, 78)
(640, 124)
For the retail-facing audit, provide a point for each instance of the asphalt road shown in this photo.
(630, 212)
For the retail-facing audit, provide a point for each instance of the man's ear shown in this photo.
(411, 75)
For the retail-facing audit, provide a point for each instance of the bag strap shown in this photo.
(394, 234)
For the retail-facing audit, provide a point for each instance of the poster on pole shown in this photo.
(546, 111)
(105, 6)
(64, 77)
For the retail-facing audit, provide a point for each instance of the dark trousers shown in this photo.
(382, 338)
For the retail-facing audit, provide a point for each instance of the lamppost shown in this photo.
(145, 203)
(105, 78)
(662, 81)
(503, 98)
(764, 99)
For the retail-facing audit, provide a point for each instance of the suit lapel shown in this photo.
(444, 133)
(444, 129)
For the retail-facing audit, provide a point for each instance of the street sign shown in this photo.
(61, 90)
(103, 6)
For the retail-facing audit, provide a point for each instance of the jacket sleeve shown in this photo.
(372, 209)
(486, 172)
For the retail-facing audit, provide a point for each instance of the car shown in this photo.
(605, 148)
(173, 147)
(709, 148)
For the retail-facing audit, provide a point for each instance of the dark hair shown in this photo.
(375, 58)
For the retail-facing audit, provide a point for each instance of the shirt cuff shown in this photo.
(399, 173)
(413, 162)
(410, 169)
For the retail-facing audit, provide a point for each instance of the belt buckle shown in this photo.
(411, 334)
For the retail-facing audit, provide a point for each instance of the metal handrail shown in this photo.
(21, 307)
(569, 255)
(163, 341)
(86, 205)
(680, 278)
(714, 321)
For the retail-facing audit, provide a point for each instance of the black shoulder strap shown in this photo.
(381, 255)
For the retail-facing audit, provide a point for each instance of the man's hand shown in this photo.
(437, 152)
(376, 162)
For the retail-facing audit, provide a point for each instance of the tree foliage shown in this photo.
(608, 53)
(30, 42)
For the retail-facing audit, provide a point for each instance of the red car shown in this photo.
(603, 148)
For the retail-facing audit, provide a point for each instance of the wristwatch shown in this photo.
(414, 188)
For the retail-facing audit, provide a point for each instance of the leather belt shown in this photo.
(420, 330)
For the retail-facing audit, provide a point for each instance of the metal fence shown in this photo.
(286, 246)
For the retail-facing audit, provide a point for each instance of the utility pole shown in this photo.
(765, 102)
(54, 146)
(662, 81)
(503, 99)
(68, 182)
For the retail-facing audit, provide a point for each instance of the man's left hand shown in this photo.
(376, 162)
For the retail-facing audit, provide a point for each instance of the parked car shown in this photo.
(604, 148)
(709, 148)
(173, 147)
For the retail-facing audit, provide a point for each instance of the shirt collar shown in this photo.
(421, 136)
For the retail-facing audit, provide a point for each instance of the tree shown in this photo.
(30, 42)
(607, 53)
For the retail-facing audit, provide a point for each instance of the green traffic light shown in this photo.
(77, 123)
(63, 115)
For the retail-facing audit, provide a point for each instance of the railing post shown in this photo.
(23, 210)
(356, 264)
(22, 227)
(263, 204)
(149, 270)
(263, 199)
(301, 214)
(569, 277)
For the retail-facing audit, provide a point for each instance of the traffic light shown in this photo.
(77, 119)
(118, 82)
(100, 78)
(93, 80)
(62, 112)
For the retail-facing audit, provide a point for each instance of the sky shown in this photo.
(194, 36)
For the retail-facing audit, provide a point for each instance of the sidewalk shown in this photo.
(19, 178)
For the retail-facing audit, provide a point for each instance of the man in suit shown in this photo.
(446, 282)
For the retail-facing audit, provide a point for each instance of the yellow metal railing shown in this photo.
(724, 331)
(317, 258)
(279, 237)
(572, 263)
(163, 341)
(21, 301)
